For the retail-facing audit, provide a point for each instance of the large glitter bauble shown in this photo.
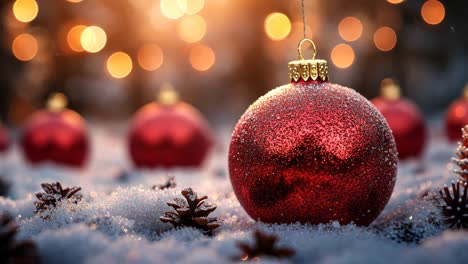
(4, 139)
(457, 117)
(312, 152)
(407, 125)
(56, 135)
(166, 136)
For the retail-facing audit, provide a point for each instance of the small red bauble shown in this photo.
(312, 152)
(405, 121)
(169, 134)
(457, 117)
(56, 135)
(4, 139)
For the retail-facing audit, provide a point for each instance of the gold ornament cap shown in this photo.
(465, 92)
(390, 89)
(168, 95)
(57, 102)
(311, 69)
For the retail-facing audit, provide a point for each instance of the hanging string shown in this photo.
(304, 19)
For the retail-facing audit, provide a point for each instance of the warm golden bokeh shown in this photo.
(93, 39)
(74, 38)
(342, 56)
(25, 47)
(74, 1)
(119, 65)
(150, 57)
(25, 10)
(194, 6)
(350, 28)
(395, 2)
(202, 58)
(433, 12)
(277, 26)
(385, 39)
(192, 28)
(173, 9)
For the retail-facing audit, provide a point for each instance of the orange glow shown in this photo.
(277, 26)
(350, 28)
(25, 47)
(385, 39)
(119, 65)
(433, 12)
(342, 56)
(74, 1)
(202, 58)
(459, 111)
(25, 10)
(173, 9)
(192, 28)
(74, 38)
(150, 57)
(395, 2)
(57, 102)
(194, 6)
(93, 39)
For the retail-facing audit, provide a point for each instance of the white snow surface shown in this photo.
(118, 219)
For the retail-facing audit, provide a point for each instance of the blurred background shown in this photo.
(111, 56)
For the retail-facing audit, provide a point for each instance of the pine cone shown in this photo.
(170, 183)
(53, 193)
(462, 153)
(192, 212)
(264, 245)
(454, 204)
(12, 251)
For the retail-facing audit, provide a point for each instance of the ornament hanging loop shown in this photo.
(299, 48)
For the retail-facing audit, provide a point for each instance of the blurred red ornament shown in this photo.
(312, 152)
(457, 117)
(56, 135)
(169, 134)
(4, 139)
(405, 120)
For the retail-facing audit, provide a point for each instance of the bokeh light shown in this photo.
(385, 39)
(342, 56)
(74, 1)
(192, 28)
(74, 38)
(119, 65)
(202, 58)
(277, 26)
(194, 6)
(25, 47)
(25, 10)
(150, 57)
(395, 2)
(93, 39)
(433, 12)
(173, 9)
(350, 28)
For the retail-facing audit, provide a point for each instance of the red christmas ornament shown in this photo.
(457, 117)
(169, 134)
(56, 135)
(405, 121)
(4, 139)
(312, 152)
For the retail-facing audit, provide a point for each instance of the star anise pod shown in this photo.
(12, 251)
(169, 184)
(53, 193)
(264, 245)
(193, 212)
(462, 154)
(454, 204)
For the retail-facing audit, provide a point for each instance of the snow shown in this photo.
(118, 219)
